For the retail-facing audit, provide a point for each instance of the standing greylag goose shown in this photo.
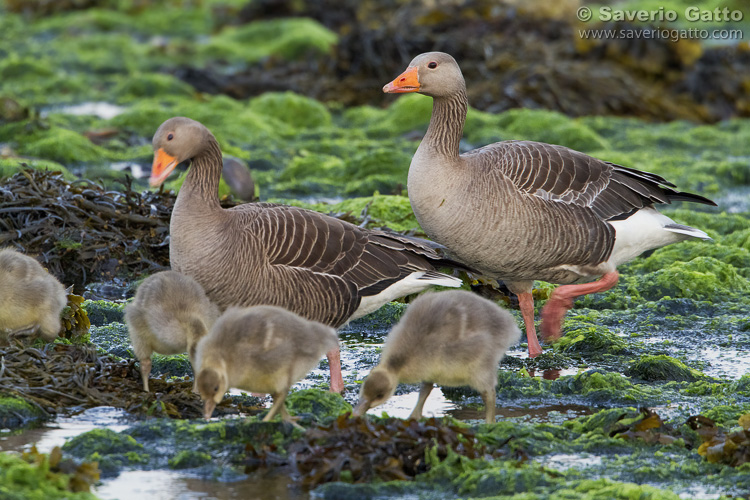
(522, 210)
(169, 315)
(31, 299)
(259, 349)
(452, 338)
(317, 266)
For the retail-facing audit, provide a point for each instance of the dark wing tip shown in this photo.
(696, 198)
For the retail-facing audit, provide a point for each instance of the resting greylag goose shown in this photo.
(451, 338)
(31, 299)
(259, 349)
(169, 314)
(524, 211)
(317, 266)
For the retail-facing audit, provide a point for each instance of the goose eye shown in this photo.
(170, 137)
(432, 65)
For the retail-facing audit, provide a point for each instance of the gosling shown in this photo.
(31, 299)
(169, 314)
(259, 349)
(452, 338)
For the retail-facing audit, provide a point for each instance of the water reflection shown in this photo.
(58, 431)
(171, 485)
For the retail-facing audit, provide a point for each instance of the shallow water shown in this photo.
(56, 432)
(171, 485)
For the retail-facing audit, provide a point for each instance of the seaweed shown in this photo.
(359, 450)
(81, 231)
(61, 377)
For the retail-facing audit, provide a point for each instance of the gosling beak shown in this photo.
(162, 167)
(408, 81)
(208, 408)
(362, 406)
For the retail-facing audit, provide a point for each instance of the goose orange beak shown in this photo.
(162, 167)
(408, 81)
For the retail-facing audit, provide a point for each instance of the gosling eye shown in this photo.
(432, 65)
(170, 137)
(216, 389)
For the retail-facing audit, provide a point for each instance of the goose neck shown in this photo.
(204, 174)
(447, 124)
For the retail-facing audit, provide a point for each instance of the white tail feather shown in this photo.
(413, 283)
(687, 230)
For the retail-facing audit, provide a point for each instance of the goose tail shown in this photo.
(687, 230)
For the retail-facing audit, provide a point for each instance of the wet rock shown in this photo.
(17, 412)
(112, 450)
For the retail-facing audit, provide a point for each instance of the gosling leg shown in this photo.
(424, 391)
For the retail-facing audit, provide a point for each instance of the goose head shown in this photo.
(435, 74)
(377, 388)
(211, 384)
(176, 140)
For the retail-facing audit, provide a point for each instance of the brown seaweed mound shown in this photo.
(361, 450)
(81, 232)
(73, 377)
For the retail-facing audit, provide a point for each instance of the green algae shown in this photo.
(32, 478)
(652, 368)
(382, 319)
(188, 459)
(293, 109)
(321, 404)
(11, 166)
(289, 38)
(138, 86)
(102, 441)
(112, 338)
(17, 412)
(702, 278)
(64, 146)
(584, 338)
(176, 365)
(551, 127)
(104, 312)
(383, 210)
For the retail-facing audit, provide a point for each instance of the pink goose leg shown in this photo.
(526, 302)
(334, 363)
(561, 301)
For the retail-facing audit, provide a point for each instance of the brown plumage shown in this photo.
(452, 338)
(31, 299)
(317, 266)
(524, 211)
(169, 314)
(259, 349)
